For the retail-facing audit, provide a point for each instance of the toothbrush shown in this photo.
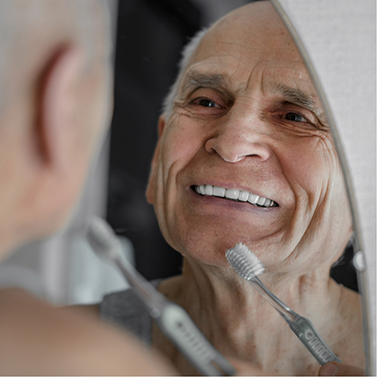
(248, 266)
(171, 318)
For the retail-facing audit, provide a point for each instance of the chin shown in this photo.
(214, 259)
(209, 251)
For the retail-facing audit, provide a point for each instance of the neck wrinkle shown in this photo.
(223, 305)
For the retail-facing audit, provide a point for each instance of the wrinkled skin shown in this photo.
(246, 133)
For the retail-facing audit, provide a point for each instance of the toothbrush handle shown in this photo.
(301, 326)
(178, 326)
(309, 337)
(287, 313)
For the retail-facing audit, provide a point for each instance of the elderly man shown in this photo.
(55, 93)
(245, 155)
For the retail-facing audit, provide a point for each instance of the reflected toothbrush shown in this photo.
(171, 318)
(248, 266)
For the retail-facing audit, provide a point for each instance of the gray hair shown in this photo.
(28, 28)
(187, 53)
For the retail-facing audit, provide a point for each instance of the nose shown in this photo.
(239, 137)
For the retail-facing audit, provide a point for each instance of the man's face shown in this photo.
(247, 124)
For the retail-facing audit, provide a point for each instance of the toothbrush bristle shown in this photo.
(101, 238)
(246, 263)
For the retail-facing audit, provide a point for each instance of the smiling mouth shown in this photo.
(235, 195)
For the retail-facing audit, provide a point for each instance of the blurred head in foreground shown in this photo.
(55, 81)
(55, 101)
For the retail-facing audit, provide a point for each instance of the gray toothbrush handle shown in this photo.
(172, 319)
(306, 332)
(178, 326)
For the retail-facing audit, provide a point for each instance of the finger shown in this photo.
(244, 368)
(339, 369)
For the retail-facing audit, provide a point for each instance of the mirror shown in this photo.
(139, 107)
(353, 35)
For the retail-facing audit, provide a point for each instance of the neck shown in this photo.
(241, 323)
(210, 288)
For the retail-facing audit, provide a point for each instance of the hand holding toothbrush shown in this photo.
(339, 369)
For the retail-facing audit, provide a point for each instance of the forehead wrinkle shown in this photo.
(207, 80)
(251, 75)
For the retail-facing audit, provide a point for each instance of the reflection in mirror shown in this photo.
(245, 154)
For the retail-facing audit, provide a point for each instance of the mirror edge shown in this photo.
(358, 246)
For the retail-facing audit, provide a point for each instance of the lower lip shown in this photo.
(224, 202)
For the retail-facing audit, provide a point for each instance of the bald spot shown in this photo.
(259, 21)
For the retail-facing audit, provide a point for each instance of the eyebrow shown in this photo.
(296, 96)
(196, 79)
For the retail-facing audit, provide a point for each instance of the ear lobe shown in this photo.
(161, 125)
(153, 173)
(58, 104)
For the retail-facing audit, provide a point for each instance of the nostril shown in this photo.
(235, 153)
(228, 153)
(233, 146)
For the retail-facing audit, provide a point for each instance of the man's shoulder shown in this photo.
(127, 310)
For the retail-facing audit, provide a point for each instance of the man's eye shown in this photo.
(294, 117)
(207, 103)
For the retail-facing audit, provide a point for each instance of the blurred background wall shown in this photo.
(149, 37)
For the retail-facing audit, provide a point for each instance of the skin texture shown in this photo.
(53, 119)
(247, 117)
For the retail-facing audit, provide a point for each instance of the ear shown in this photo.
(153, 174)
(58, 105)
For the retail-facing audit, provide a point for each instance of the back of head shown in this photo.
(55, 81)
(29, 30)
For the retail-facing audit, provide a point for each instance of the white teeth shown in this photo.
(208, 190)
(218, 191)
(234, 194)
(253, 199)
(261, 200)
(243, 196)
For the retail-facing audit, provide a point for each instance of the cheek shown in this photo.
(323, 219)
(309, 164)
(180, 142)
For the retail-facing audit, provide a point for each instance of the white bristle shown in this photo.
(102, 239)
(246, 263)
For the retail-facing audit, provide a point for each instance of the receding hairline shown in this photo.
(191, 50)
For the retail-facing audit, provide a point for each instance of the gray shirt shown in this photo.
(126, 310)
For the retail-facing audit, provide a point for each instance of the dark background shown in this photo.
(150, 36)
